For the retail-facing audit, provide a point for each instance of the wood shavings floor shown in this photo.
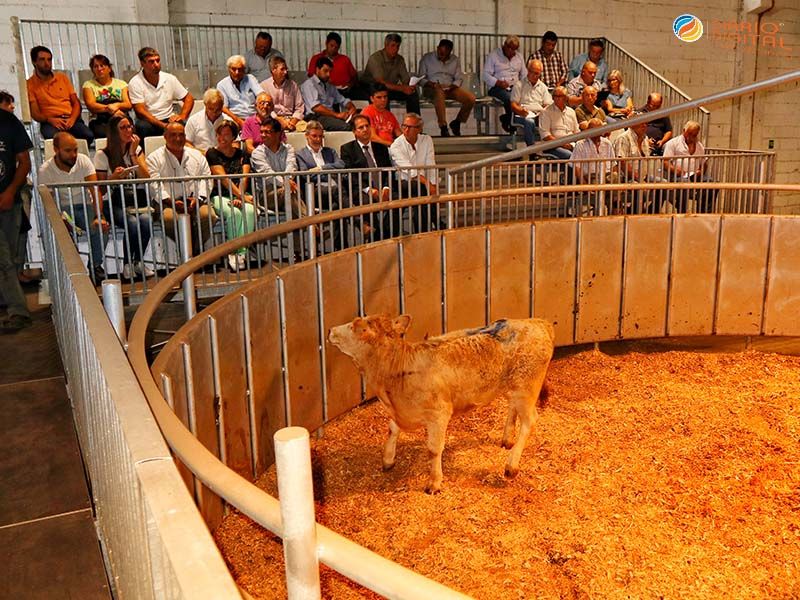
(671, 474)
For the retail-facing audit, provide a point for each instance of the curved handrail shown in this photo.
(256, 503)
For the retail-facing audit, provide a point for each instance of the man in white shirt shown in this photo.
(556, 121)
(259, 56)
(175, 159)
(600, 151)
(411, 149)
(83, 206)
(684, 160)
(529, 99)
(200, 128)
(443, 77)
(153, 93)
(503, 68)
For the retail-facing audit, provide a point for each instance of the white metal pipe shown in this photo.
(185, 245)
(310, 205)
(115, 308)
(296, 494)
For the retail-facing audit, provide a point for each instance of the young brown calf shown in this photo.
(425, 383)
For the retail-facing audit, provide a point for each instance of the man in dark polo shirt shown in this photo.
(658, 130)
(15, 163)
(389, 68)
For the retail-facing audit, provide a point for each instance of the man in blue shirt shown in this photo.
(324, 102)
(595, 54)
(239, 91)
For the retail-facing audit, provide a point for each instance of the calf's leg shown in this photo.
(511, 421)
(390, 447)
(525, 403)
(436, 435)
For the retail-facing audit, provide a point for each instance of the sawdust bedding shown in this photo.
(673, 475)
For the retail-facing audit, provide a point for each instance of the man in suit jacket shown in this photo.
(363, 153)
(315, 157)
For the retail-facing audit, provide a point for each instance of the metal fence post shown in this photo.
(185, 247)
(450, 190)
(312, 231)
(115, 308)
(296, 494)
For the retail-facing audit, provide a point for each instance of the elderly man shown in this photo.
(388, 67)
(595, 54)
(83, 206)
(258, 57)
(273, 156)
(529, 99)
(15, 164)
(289, 108)
(385, 128)
(53, 101)
(554, 68)
(152, 94)
(502, 69)
(324, 102)
(411, 149)
(587, 110)
(684, 160)
(343, 74)
(239, 91)
(201, 126)
(175, 159)
(658, 130)
(634, 145)
(599, 150)
(251, 130)
(441, 71)
(316, 157)
(556, 121)
(587, 78)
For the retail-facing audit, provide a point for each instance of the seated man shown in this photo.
(634, 144)
(316, 157)
(554, 69)
(251, 130)
(443, 77)
(556, 121)
(201, 126)
(385, 128)
(502, 69)
(410, 149)
(53, 101)
(273, 156)
(175, 159)
(288, 102)
(599, 150)
(388, 67)
(684, 160)
(152, 94)
(239, 91)
(343, 74)
(257, 59)
(595, 54)
(587, 110)
(658, 130)
(323, 101)
(529, 99)
(83, 206)
(586, 78)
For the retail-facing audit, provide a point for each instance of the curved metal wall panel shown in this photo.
(380, 279)
(556, 244)
(422, 285)
(465, 271)
(783, 286)
(510, 271)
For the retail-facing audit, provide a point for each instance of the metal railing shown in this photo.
(154, 540)
(203, 50)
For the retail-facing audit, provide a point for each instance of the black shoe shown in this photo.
(505, 121)
(98, 275)
(455, 125)
(443, 131)
(15, 323)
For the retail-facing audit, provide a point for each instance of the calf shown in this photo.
(425, 383)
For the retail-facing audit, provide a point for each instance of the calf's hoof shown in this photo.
(432, 489)
(511, 472)
(507, 444)
(387, 467)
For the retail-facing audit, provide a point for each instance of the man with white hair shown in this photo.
(684, 160)
(529, 99)
(504, 67)
(239, 91)
(200, 132)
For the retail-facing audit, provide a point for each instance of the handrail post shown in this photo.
(296, 494)
(312, 232)
(185, 247)
(115, 308)
(450, 190)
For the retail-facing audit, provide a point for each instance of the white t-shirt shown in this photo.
(157, 99)
(200, 131)
(53, 177)
(101, 161)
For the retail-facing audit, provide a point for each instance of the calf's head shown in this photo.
(362, 334)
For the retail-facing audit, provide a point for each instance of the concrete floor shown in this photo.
(48, 542)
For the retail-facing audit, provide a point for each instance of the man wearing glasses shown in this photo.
(251, 130)
(273, 156)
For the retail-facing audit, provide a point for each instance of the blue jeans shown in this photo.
(138, 230)
(503, 95)
(559, 153)
(530, 130)
(83, 217)
(79, 130)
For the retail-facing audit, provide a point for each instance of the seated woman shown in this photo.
(229, 196)
(619, 102)
(104, 95)
(127, 206)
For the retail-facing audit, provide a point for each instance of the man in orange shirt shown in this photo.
(54, 103)
(385, 128)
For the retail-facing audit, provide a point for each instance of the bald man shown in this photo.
(529, 99)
